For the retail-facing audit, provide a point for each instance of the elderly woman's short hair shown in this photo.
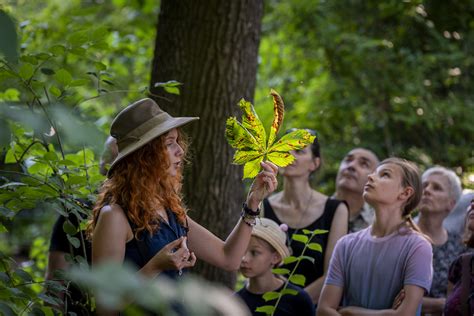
(454, 183)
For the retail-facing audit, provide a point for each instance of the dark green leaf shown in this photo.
(74, 241)
(47, 71)
(23, 275)
(69, 228)
(6, 310)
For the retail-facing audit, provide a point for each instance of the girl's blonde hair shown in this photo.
(410, 178)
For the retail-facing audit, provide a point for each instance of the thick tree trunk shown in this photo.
(212, 48)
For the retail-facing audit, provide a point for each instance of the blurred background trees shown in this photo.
(393, 76)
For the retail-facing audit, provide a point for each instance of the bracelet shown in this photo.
(248, 219)
(249, 211)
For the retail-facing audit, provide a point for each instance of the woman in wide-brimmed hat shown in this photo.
(139, 215)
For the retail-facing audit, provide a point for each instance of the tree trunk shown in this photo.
(212, 48)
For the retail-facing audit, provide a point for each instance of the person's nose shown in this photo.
(370, 177)
(427, 190)
(244, 258)
(179, 151)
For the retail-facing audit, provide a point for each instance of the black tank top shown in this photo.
(311, 271)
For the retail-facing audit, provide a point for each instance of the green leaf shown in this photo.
(243, 156)
(249, 138)
(315, 246)
(47, 71)
(23, 275)
(239, 138)
(100, 66)
(281, 271)
(298, 279)
(267, 309)
(320, 231)
(281, 159)
(252, 168)
(49, 299)
(306, 258)
(57, 50)
(26, 71)
(79, 82)
(78, 38)
(295, 140)
(172, 90)
(268, 296)
(55, 91)
(74, 241)
(289, 292)
(63, 77)
(252, 123)
(290, 259)
(69, 228)
(301, 238)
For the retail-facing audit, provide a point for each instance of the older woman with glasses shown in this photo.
(302, 208)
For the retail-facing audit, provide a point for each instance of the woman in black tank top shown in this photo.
(302, 208)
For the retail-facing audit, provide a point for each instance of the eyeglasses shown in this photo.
(311, 131)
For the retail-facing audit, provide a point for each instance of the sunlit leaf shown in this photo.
(280, 271)
(301, 238)
(289, 292)
(249, 138)
(252, 167)
(298, 279)
(315, 246)
(268, 296)
(267, 309)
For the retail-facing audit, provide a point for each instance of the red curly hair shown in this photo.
(140, 184)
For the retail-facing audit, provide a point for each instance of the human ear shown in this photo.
(316, 163)
(406, 193)
(276, 259)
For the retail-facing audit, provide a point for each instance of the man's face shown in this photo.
(354, 169)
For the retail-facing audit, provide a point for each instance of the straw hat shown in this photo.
(138, 124)
(269, 231)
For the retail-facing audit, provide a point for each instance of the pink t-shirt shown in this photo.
(373, 270)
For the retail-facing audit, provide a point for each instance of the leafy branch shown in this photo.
(297, 279)
(250, 138)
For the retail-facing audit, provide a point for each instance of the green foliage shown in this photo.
(117, 285)
(393, 76)
(250, 139)
(78, 65)
(291, 276)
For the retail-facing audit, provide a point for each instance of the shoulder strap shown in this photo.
(466, 283)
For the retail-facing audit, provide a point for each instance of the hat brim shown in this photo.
(171, 123)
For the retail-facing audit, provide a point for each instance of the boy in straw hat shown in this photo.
(266, 250)
(139, 216)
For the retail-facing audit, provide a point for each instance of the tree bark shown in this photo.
(212, 48)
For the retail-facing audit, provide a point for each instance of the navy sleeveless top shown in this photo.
(139, 252)
(311, 271)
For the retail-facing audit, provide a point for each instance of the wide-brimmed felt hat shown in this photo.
(272, 233)
(138, 124)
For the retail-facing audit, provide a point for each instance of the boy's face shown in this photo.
(259, 258)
